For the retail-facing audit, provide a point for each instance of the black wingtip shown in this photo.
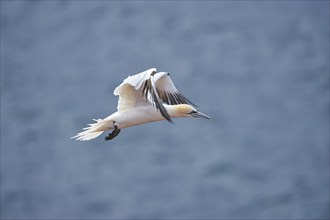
(164, 113)
(169, 120)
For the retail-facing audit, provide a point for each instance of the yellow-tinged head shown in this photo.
(186, 111)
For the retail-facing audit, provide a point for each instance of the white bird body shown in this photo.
(145, 97)
(139, 115)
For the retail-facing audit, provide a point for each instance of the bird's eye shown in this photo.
(193, 112)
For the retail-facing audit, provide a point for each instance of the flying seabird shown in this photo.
(145, 97)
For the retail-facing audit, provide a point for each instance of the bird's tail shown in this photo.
(93, 131)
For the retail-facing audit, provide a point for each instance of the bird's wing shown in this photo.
(149, 86)
(128, 91)
(149, 92)
(128, 97)
(158, 89)
(167, 91)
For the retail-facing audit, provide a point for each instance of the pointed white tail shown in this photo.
(93, 131)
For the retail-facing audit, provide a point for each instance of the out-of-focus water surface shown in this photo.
(259, 69)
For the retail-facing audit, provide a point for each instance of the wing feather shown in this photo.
(168, 92)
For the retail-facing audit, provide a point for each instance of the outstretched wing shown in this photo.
(149, 86)
(167, 91)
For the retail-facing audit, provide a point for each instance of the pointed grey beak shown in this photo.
(200, 115)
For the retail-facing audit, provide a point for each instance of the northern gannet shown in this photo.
(145, 97)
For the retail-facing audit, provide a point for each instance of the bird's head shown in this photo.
(188, 111)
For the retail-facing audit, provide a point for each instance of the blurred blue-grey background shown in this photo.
(259, 69)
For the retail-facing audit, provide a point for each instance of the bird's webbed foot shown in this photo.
(113, 134)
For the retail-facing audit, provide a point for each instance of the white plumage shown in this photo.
(145, 97)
